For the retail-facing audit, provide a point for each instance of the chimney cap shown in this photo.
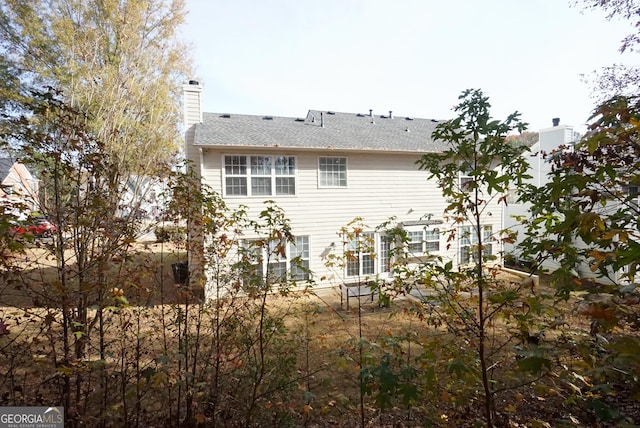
(555, 121)
(194, 82)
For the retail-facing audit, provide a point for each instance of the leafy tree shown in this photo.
(106, 356)
(617, 79)
(477, 150)
(116, 61)
(585, 225)
(523, 139)
(10, 90)
(84, 183)
(625, 9)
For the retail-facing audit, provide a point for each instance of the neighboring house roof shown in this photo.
(5, 167)
(319, 130)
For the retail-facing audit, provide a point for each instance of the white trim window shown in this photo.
(369, 254)
(299, 251)
(360, 255)
(423, 241)
(468, 241)
(259, 175)
(631, 193)
(332, 171)
(465, 181)
(294, 263)
(384, 254)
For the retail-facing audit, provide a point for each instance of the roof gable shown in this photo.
(5, 167)
(319, 130)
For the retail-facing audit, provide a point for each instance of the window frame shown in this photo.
(468, 235)
(385, 254)
(322, 185)
(250, 176)
(380, 257)
(631, 194)
(424, 243)
(464, 181)
(284, 266)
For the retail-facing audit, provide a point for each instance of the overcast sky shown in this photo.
(414, 57)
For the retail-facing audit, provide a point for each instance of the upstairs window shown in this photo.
(259, 175)
(466, 181)
(332, 172)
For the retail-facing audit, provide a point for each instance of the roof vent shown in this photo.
(555, 121)
(408, 118)
(267, 118)
(225, 115)
(434, 120)
(299, 120)
(390, 114)
(360, 115)
(331, 112)
(371, 112)
(194, 82)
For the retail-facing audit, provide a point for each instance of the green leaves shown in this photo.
(119, 62)
(478, 150)
(533, 360)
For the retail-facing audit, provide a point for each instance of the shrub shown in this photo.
(170, 233)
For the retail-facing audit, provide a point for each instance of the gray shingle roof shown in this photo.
(341, 131)
(5, 167)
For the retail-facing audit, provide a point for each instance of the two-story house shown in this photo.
(324, 170)
(18, 188)
(549, 141)
(552, 140)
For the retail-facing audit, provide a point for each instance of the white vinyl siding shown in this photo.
(380, 186)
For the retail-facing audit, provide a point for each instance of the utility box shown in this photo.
(180, 272)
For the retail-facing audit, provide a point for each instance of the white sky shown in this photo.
(284, 57)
